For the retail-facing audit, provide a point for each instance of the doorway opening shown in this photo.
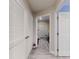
(43, 32)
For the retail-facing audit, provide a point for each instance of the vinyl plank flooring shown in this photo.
(42, 52)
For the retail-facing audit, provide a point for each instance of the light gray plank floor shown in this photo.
(42, 52)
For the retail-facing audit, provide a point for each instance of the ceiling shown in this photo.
(40, 5)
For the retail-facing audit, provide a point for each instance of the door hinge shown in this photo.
(57, 50)
(57, 33)
(57, 17)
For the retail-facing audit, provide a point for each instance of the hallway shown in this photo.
(24, 32)
(41, 52)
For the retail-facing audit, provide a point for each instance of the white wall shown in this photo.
(21, 25)
(43, 28)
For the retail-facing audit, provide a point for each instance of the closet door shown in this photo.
(28, 31)
(21, 31)
(17, 39)
(64, 34)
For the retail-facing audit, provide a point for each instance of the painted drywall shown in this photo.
(21, 25)
(43, 28)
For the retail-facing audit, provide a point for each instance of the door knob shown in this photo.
(26, 37)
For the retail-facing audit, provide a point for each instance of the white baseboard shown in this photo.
(66, 53)
(52, 52)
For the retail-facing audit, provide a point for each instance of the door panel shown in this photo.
(28, 30)
(20, 27)
(11, 53)
(18, 17)
(20, 50)
(53, 34)
(64, 34)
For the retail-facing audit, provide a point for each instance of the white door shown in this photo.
(28, 32)
(17, 51)
(64, 34)
(53, 34)
(20, 32)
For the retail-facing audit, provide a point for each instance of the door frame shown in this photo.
(37, 27)
(56, 47)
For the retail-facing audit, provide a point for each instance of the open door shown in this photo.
(53, 34)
